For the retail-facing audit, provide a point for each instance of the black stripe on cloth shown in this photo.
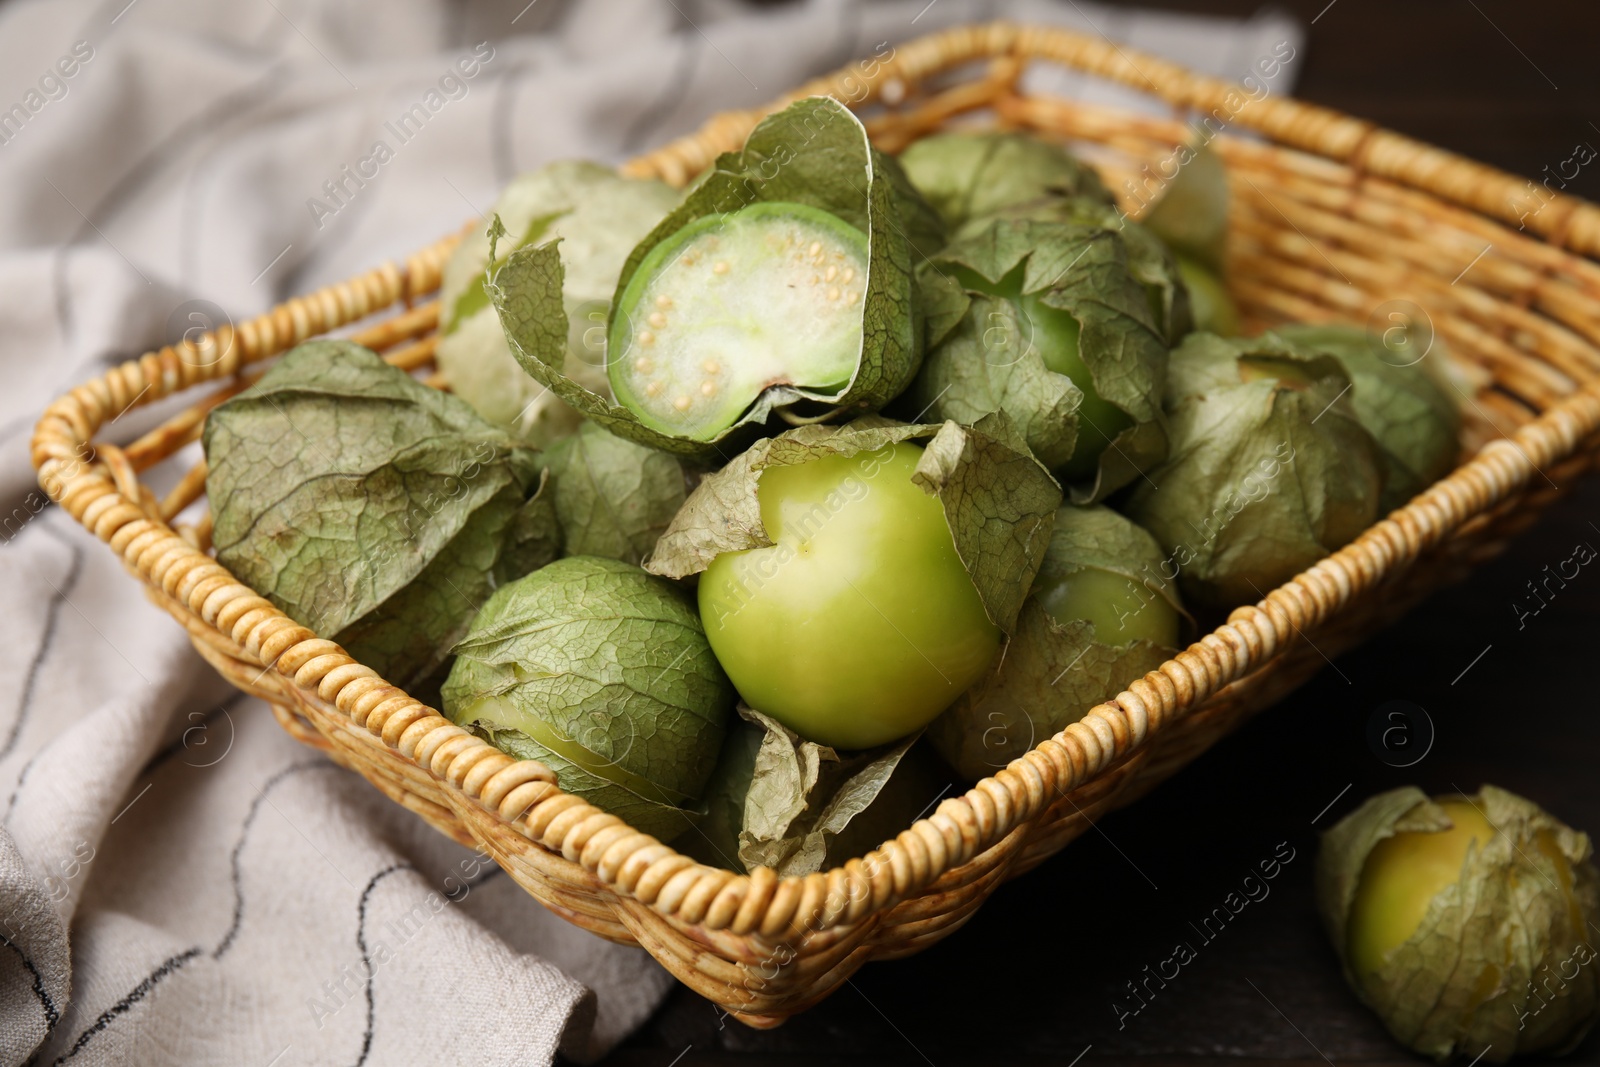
(366, 953)
(51, 1015)
(133, 996)
(366, 957)
(22, 776)
(30, 681)
(244, 834)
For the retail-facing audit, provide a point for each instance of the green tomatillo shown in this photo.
(1149, 260)
(1466, 922)
(1054, 330)
(1409, 409)
(601, 672)
(777, 800)
(853, 582)
(783, 284)
(1213, 306)
(374, 510)
(1270, 469)
(1192, 218)
(1119, 608)
(1103, 611)
(731, 306)
(1056, 335)
(598, 216)
(863, 587)
(969, 175)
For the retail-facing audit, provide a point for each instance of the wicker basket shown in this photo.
(1331, 218)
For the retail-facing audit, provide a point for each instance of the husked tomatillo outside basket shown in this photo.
(1332, 219)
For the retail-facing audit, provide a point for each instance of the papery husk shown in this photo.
(1503, 962)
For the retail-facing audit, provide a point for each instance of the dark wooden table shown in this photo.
(1034, 976)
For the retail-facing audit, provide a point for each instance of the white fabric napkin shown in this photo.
(180, 882)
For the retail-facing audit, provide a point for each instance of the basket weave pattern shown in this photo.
(1331, 216)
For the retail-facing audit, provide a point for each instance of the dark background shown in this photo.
(1032, 977)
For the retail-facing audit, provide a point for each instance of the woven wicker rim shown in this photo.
(98, 486)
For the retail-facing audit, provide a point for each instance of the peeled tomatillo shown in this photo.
(1054, 333)
(859, 624)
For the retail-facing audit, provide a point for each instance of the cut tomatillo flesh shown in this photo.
(860, 623)
(1054, 332)
(735, 304)
(1120, 609)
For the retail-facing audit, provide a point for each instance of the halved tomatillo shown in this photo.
(736, 328)
(733, 305)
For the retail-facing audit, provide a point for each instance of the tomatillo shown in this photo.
(1213, 306)
(859, 624)
(1055, 332)
(1465, 922)
(1121, 609)
(1402, 875)
(733, 305)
